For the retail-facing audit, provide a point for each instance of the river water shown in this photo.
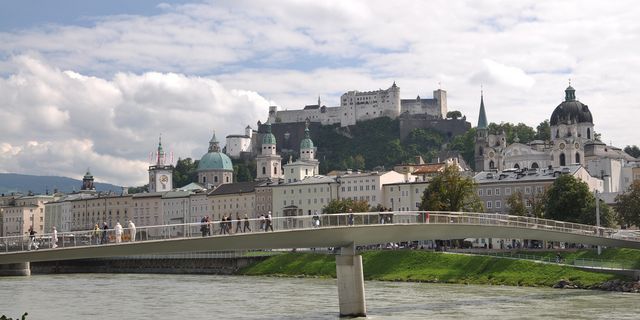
(156, 296)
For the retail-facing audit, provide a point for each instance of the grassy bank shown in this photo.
(425, 266)
(629, 258)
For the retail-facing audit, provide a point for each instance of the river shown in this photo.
(156, 296)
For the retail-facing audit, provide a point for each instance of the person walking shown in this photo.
(203, 226)
(54, 238)
(238, 223)
(223, 225)
(269, 222)
(32, 239)
(96, 233)
(246, 224)
(262, 221)
(315, 220)
(118, 230)
(132, 231)
(105, 230)
(350, 217)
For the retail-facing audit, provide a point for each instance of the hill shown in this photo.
(13, 182)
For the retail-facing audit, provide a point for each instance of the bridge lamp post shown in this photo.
(598, 218)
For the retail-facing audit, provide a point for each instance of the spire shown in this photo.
(570, 93)
(160, 154)
(214, 146)
(482, 118)
(319, 105)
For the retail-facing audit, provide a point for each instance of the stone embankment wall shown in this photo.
(141, 265)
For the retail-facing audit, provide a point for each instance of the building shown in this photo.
(306, 165)
(148, 211)
(160, 174)
(367, 186)
(573, 142)
(239, 144)
(23, 213)
(404, 196)
(268, 162)
(494, 188)
(214, 168)
(304, 197)
(358, 106)
(233, 200)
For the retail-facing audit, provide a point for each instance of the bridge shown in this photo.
(345, 231)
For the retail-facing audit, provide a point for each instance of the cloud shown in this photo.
(60, 122)
(119, 81)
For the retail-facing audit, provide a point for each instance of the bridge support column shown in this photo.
(15, 269)
(350, 283)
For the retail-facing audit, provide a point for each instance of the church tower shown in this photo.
(269, 163)
(482, 133)
(160, 174)
(87, 182)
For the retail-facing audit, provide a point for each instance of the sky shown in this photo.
(93, 84)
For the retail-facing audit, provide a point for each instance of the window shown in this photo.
(528, 203)
(497, 191)
(489, 204)
(527, 190)
(480, 192)
(498, 204)
(539, 189)
(489, 192)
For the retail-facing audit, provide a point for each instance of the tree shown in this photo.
(569, 199)
(343, 206)
(516, 204)
(632, 151)
(465, 144)
(543, 131)
(450, 191)
(454, 115)
(524, 133)
(185, 172)
(628, 205)
(141, 189)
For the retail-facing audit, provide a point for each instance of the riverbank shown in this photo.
(425, 266)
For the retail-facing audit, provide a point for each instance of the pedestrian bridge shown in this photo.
(335, 230)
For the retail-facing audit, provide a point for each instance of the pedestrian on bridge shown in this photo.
(269, 222)
(54, 238)
(246, 224)
(105, 230)
(132, 231)
(262, 222)
(32, 239)
(350, 217)
(118, 229)
(96, 233)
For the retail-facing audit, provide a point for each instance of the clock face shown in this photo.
(164, 178)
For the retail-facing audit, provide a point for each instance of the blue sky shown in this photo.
(93, 83)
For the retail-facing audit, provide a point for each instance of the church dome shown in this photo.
(306, 143)
(214, 159)
(268, 137)
(570, 111)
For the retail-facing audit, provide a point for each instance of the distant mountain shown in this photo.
(12, 182)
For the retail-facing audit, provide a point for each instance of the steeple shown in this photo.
(87, 181)
(482, 118)
(214, 145)
(306, 145)
(160, 154)
(319, 105)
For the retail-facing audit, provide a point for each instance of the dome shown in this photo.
(268, 137)
(570, 111)
(306, 143)
(215, 161)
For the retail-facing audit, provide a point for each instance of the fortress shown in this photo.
(358, 106)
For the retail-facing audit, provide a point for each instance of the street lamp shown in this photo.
(598, 218)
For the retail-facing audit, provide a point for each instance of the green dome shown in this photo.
(306, 143)
(215, 161)
(268, 137)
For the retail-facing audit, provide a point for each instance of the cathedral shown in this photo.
(572, 142)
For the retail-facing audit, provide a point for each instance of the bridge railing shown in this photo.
(219, 228)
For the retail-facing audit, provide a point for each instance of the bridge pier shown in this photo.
(350, 283)
(15, 269)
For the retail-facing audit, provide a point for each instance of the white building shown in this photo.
(238, 144)
(303, 197)
(367, 186)
(268, 162)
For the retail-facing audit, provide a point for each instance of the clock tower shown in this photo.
(160, 174)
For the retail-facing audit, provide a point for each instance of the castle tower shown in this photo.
(482, 132)
(160, 174)
(87, 182)
(269, 164)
